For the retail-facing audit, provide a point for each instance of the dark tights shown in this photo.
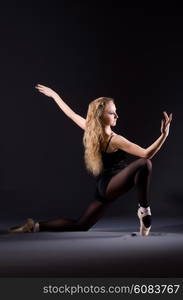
(136, 173)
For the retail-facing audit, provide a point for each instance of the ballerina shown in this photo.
(105, 158)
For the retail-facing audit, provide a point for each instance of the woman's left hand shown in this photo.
(165, 123)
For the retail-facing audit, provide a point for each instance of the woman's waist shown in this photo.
(112, 170)
(115, 166)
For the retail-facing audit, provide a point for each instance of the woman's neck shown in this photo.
(107, 130)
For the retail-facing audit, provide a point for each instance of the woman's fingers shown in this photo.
(165, 123)
(162, 124)
(45, 90)
(165, 115)
(41, 88)
(168, 119)
(40, 85)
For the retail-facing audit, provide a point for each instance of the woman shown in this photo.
(105, 158)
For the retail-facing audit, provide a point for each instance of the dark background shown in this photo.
(84, 50)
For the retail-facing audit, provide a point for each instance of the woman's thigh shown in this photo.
(123, 181)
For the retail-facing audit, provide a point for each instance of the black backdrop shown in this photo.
(85, 50)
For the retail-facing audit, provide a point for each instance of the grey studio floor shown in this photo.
(109, 249)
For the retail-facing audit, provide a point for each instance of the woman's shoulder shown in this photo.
(117, 135)
(115, 139)
(108, 143)
(113, 133)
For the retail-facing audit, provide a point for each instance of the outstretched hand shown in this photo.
(165, 123)
(45, 90)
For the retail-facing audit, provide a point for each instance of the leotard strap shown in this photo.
(108, 142)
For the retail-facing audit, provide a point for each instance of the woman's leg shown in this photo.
(88, 218)
(137, 173)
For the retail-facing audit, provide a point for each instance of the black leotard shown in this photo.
(113, 163)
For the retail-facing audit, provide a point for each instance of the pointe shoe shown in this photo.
(144, 215)
(29, 226)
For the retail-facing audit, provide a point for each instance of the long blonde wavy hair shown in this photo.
(94, 135)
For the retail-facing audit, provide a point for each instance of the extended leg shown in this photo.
(88, 218)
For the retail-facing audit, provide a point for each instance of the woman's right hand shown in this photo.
(46, 90)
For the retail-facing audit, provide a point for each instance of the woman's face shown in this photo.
(109, 116)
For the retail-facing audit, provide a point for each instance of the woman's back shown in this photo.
(112, 159)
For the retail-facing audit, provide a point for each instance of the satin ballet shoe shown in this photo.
(29, 226)
(144, 215)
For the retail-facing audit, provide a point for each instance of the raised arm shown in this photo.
(122, 143)
(80, 121)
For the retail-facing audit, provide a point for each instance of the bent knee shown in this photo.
(146, 162)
